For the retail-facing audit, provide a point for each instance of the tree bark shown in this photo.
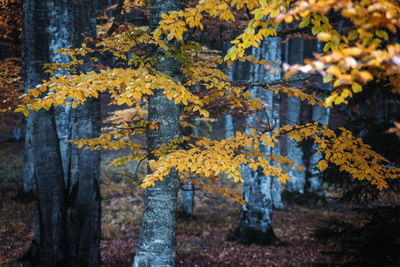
(255, 224)
(67, 178)
(28, 173)
(187, 201)
(274, 54)
(50, 189)
(157, 240)
(187, 192)
(35, 54)
(293, 116)
(156, 246)
(42, 144)
(83, 208)
(320, 114)
(228, 119)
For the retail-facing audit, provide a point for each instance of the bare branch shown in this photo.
(297, 78)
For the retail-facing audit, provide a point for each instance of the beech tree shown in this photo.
(293, 117)
(259, 192)
(188, 191)
(48, 244)
(364, 52)
(320, 114)
(156, 245)
(67, 179)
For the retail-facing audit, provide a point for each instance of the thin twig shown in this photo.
(296, 78)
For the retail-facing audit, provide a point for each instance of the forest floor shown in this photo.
(201, 241)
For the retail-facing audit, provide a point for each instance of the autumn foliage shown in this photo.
(364, 50)
(11, 83)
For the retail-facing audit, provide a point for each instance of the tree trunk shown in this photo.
(187, 201)
(42, 144)
(228, 119)
(255, 224)
(50, 189)
(28, 173)
(157, 240)
(274, 54)
(314, 182)
(35, 54)
(83, 208)
(187, 192)
(74, 196)
(293, 116)
(61, 32)
(320, 114)
(156, 246)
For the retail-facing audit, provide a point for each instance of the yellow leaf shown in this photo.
(305, 22)
(352, 35)
(356, 87)
(382, 34)
(324, 37)
(366, 76)
(322, 165)
(288, 19)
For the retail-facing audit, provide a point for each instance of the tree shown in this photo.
(187, 190)
(84, 209)
(145, 77)
(156, 245)
(48, 245)
(259, 192)
(320, 114)
(68, 218)
(293, 117)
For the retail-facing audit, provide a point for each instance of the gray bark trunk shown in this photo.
(156, 246)
(75, 220)
(320, 114)
(83, 208)
(228, 124)
(34, 36)
(293, 113)
(50, 188)
(187, 200)
(228, 119)
(83, 211)
(314, 183)
(28, 173)
(42, 144)
(255, 224)
(157, 239)
(274, 54)
(187, 192)
(61, 34)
